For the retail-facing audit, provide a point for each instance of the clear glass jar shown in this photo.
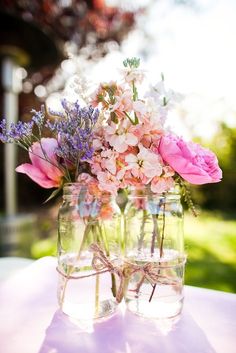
(88, 252)
(154, 252)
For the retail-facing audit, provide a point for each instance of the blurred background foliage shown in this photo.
(211, 237)
(221, 196)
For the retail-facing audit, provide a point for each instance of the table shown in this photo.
(32, 323)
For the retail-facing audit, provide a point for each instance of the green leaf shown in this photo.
(187, 196)
(53, 194)
(114, 117)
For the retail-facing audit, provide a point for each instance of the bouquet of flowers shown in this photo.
(119, 140)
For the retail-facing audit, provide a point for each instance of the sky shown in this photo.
(194, 46)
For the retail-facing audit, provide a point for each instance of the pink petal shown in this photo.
(131, 139)
(49, 146)
(36, 175)
(181, 156)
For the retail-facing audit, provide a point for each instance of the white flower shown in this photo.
(133, 75)
(162, 96)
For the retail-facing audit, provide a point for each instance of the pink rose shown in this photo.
(42, 172)
(191, 161)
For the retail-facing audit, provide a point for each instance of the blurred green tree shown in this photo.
(221, 196)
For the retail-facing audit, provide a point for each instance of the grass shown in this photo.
(210, 243)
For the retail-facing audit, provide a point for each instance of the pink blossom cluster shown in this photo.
(127, 155)
(131, 145)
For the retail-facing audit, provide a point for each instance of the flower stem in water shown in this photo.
(161, 246)
(97, 239)
(142, 233)
(163, 230)
(155, 233)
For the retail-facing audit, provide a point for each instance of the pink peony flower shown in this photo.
(191, 161)
(42, 172)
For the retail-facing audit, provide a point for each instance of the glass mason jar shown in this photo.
(88, 253)
(154, 253)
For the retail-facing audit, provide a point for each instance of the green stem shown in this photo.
(103, 236)
(124, 230)
(67, 170)
(142, 233)
(135, 92)
(132, 122)
(155, 233)
(77, 166)
(86, 232)
(163, 229)
(97, 239)
(153, 290)
(160, 247)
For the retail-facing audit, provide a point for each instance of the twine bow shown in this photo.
(150, 271)
(101, 264)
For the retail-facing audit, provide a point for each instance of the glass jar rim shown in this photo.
(80, 189)
(145, 191)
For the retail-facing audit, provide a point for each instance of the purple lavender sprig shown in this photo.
(19, 133)
(74, 133)
(72, 128)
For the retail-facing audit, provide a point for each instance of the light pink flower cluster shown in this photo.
(127, 144)
(132, 147)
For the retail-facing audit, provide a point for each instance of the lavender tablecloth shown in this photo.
(30, 321)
